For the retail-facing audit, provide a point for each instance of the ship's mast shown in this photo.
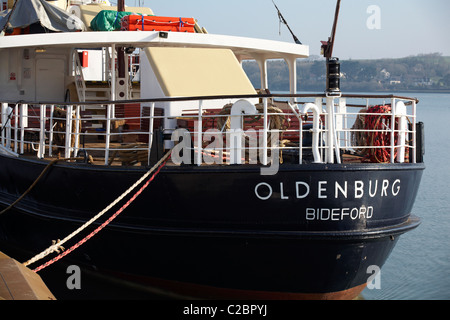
(327, 46)
(120, 50)
(121, 5)
(333, 64)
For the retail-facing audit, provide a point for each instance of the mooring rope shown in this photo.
(57, 245)
(49, 165)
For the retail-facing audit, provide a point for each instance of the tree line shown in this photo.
(425, 72)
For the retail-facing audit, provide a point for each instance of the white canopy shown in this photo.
(27, 12)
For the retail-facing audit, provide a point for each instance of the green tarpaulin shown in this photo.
(108, 20)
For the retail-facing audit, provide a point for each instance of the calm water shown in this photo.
(419, 266)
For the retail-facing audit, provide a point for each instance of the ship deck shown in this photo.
(131, 158)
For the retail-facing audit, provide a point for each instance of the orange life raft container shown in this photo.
(157, 23)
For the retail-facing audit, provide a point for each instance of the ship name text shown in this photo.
(325, 189)
(343, 190)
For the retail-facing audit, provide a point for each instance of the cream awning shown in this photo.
(198, 72)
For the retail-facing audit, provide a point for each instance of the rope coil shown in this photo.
(277, 121)
(373, 128)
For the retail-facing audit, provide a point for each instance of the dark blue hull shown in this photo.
(310, 231)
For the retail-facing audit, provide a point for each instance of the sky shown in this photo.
(367, 29)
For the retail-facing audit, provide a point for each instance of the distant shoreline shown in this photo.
(359, 90)
(404, 91)
(395, 92)
(427, 73)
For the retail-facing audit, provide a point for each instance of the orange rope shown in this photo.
(97, 230)
(381, 138)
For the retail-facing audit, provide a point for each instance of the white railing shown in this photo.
(339, 129)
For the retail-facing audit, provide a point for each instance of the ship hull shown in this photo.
(310, 231)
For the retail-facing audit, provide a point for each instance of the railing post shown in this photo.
(6, 121)
(16, 126)
(341, 120)
(414, 133)
(23, 125)
(113, 72)
(199, 135)
(150, 130)
(41, 149)
(50, 139)
(393, 112)
(300, 140)
(319, 103)
(3, 119)
(265, 126)
(330, 129)
(336, 144)
(68, 141)
(108, 131)
(400, 113)
(77, 129)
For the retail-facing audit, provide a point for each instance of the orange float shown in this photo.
(157, 23)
